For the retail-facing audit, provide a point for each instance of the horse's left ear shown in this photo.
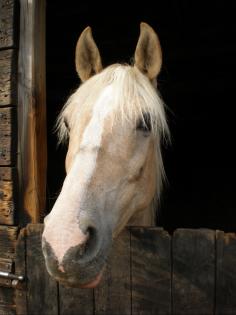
(148, 55)
(87, 56)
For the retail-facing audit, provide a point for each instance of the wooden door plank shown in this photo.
(193, 282)
(7, 296)
(226, 273)
(75, 301)
(42, 290)
(20, 270)
(7, 23)
(113, 295)
(150, 271)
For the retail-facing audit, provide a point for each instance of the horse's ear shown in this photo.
(148, 55)
(87, 56)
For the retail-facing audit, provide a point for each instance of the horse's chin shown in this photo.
(88, 285)
(94, 283)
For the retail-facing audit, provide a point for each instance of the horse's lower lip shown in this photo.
(89, 285)
(93, 283)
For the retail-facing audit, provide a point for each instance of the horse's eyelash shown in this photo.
(144, 123)
(66, 124)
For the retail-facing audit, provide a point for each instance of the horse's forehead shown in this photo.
(95, 122)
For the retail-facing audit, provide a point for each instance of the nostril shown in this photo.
(47, 249)
(87, 248)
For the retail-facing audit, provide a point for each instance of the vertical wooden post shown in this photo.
(193, 279)
(32, 152)
(150, 271)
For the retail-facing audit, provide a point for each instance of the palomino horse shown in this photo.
(114, 123)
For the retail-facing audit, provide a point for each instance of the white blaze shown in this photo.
(67, 208)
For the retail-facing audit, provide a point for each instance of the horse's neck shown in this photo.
(144, 218)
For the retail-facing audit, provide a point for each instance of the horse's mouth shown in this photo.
(87, 285)
(94, 283)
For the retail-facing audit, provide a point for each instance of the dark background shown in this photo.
(197, 83)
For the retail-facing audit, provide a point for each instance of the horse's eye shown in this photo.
(66, 124)
(144, 123)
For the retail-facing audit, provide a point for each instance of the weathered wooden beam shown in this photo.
(6, 203)
(32, 110)
(193, 280)
(7, 174)
(75, 301)
(20, 270)
(7, 136)
(8, 236)
(7, 296)
(113, 295)
(42, 289)
(7, 310)
(138, 280)
(225, 273)
(7, 21)
(7, 195)
(7, 77)
(150, 271)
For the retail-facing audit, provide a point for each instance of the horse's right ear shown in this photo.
(87, 56)
(148, 55)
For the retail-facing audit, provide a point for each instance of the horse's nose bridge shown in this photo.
(89, 148)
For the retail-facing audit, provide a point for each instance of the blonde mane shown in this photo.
(133, 97)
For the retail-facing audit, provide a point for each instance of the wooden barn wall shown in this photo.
(8, 150)
(149, 271)
(22, 111)
(8, 102)
(22, 135)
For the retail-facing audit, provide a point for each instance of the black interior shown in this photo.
(197, 83)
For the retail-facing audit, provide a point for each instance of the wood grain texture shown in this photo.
(41, 288)
(7, 195)
(5, 151)
(7, 310)
(193, 282)
(151, 271)
(7, 296)
(137, 279)
(20, 269)
(226, 273)
(7, 75)
(113, 295)
(7, 136)
(8, 236)
(7, 156)
(7, 205)
(32, 111)
(7, 266)
(75, 301)
(7, 174)
(6, 121)
(7, 23)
